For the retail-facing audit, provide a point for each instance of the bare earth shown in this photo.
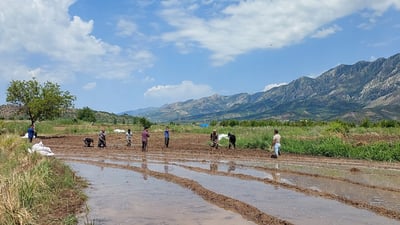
(194, 147)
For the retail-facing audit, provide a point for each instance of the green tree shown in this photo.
(86, 114)
(144, 122)
(366, 123)
(39, 101)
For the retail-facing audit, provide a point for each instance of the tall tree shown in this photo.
(39, 101)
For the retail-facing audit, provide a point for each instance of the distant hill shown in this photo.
(347, 92)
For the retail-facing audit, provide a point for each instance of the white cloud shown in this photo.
(325, 32)
(270, 86)
(244, 26)
(89, 86)
(148, 79)
(126, 28)
(42, 34)
(183, 91)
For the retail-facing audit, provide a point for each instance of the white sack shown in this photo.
(41, 149)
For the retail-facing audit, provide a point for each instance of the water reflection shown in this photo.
(276, 176)
(214, 167)
(144, 166)
(165, 159)
(231, 166)
(119, 196)
(102, 167)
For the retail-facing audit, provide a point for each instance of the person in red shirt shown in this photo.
(145, 139)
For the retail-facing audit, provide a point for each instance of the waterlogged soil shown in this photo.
(190, 183)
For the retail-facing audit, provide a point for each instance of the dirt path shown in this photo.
(186, 148)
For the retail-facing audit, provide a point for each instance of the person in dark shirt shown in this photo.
(88, 142)
(166, 137)
(232, 141)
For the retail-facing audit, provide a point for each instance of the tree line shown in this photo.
(366, 123)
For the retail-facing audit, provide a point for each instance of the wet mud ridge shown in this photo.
(290, 190)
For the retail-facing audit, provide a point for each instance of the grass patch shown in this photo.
(35, 189)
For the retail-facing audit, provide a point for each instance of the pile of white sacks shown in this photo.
(41, 149)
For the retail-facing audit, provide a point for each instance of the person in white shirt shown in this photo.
(129, 138)
(276, 143)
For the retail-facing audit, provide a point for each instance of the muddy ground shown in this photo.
(187, 148)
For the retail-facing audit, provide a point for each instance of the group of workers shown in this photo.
(275, 146)
(214, 140)
(145, 137)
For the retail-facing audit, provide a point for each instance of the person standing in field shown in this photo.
(166, 137)
(145, 138)
(232, 141)
(276, 143)
(102, 139)
(31, 133)
(129, 138)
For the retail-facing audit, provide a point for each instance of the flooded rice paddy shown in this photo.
(197, 186)
(123, 191)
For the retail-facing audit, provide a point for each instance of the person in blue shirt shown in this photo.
(166, 137)
(31, 132)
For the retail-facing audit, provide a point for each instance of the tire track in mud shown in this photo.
(247, 211)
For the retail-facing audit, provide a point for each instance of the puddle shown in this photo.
(118, 196)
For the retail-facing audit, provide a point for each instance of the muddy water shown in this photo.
(124, 197)
(353, 191)
(121, 196)
(291, 206)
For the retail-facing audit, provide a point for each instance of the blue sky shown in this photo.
(122, 55)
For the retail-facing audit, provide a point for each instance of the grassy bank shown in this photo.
(36, 189)
(380, 144)
(330, 139)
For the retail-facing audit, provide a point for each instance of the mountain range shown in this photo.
(364, 90)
